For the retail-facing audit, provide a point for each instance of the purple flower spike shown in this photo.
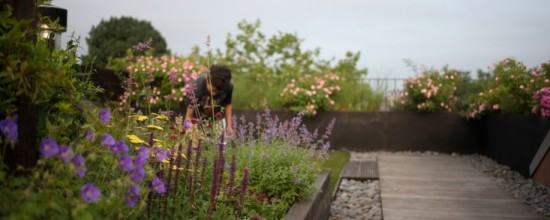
(89, 135)
(48, 147)
(137, 174)
(107, 140)
(125, 163)
(119, 147)
(104, 115)
(8, 127)
(158, 185)
(132, 197)
(66, 153)
(90, 193)
(161, 154)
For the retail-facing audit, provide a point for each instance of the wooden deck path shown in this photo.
(443, 187)
(360, 170)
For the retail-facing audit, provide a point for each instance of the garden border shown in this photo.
(317, 206)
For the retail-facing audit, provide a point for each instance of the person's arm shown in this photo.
(228, 125)
(189, 114)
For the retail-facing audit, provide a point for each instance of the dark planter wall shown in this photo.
(513, 140)
(391, 131)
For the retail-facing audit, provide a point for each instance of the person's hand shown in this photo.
(229, 132)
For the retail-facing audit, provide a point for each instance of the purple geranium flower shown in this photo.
(89, 134)
(161, 154)
(107, 140)
(125, 163)
(119, 147)
(142, 156)
(48, 147)
(81, 171)
(8, 127)
(78, 160)
(137, 174)
(132, 196)
(66, 153)
(158, 185)
(104, 115)
(90, 193)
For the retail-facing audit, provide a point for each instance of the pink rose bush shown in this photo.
(310, 93)
(512, 87)
(159, 81)
(432, 91)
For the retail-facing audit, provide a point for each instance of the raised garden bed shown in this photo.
(316, 206)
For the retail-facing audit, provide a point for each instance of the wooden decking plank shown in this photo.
(360, 170)
(443, 187)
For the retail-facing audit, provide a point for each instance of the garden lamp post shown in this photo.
(53, 34)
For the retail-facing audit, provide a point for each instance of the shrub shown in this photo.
(310, 93)
(511, 88)
(157, 81)
(431, 91)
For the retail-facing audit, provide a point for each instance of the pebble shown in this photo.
(357, 200)
(362, 200)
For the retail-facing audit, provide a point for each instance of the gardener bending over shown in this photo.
(214, 89)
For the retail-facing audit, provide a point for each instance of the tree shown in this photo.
(112, 38)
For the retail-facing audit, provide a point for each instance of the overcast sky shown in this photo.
(466, 34)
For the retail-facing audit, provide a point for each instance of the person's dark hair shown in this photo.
(221, 76)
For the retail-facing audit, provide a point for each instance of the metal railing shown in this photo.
(390, 88)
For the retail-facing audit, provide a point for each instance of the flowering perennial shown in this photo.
(311, 93)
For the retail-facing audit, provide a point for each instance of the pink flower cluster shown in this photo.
(431, 91)
(310, 93)
(542, 97)
(159, 79)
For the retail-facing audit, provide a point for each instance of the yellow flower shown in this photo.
(155, 127)
(142, 117)
(135, 139)
(157, 140)
(162, 117)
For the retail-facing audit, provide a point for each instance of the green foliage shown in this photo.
(30, 68)
(112, 38)
(280, 176)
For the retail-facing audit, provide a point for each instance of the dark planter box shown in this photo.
(513, 140)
